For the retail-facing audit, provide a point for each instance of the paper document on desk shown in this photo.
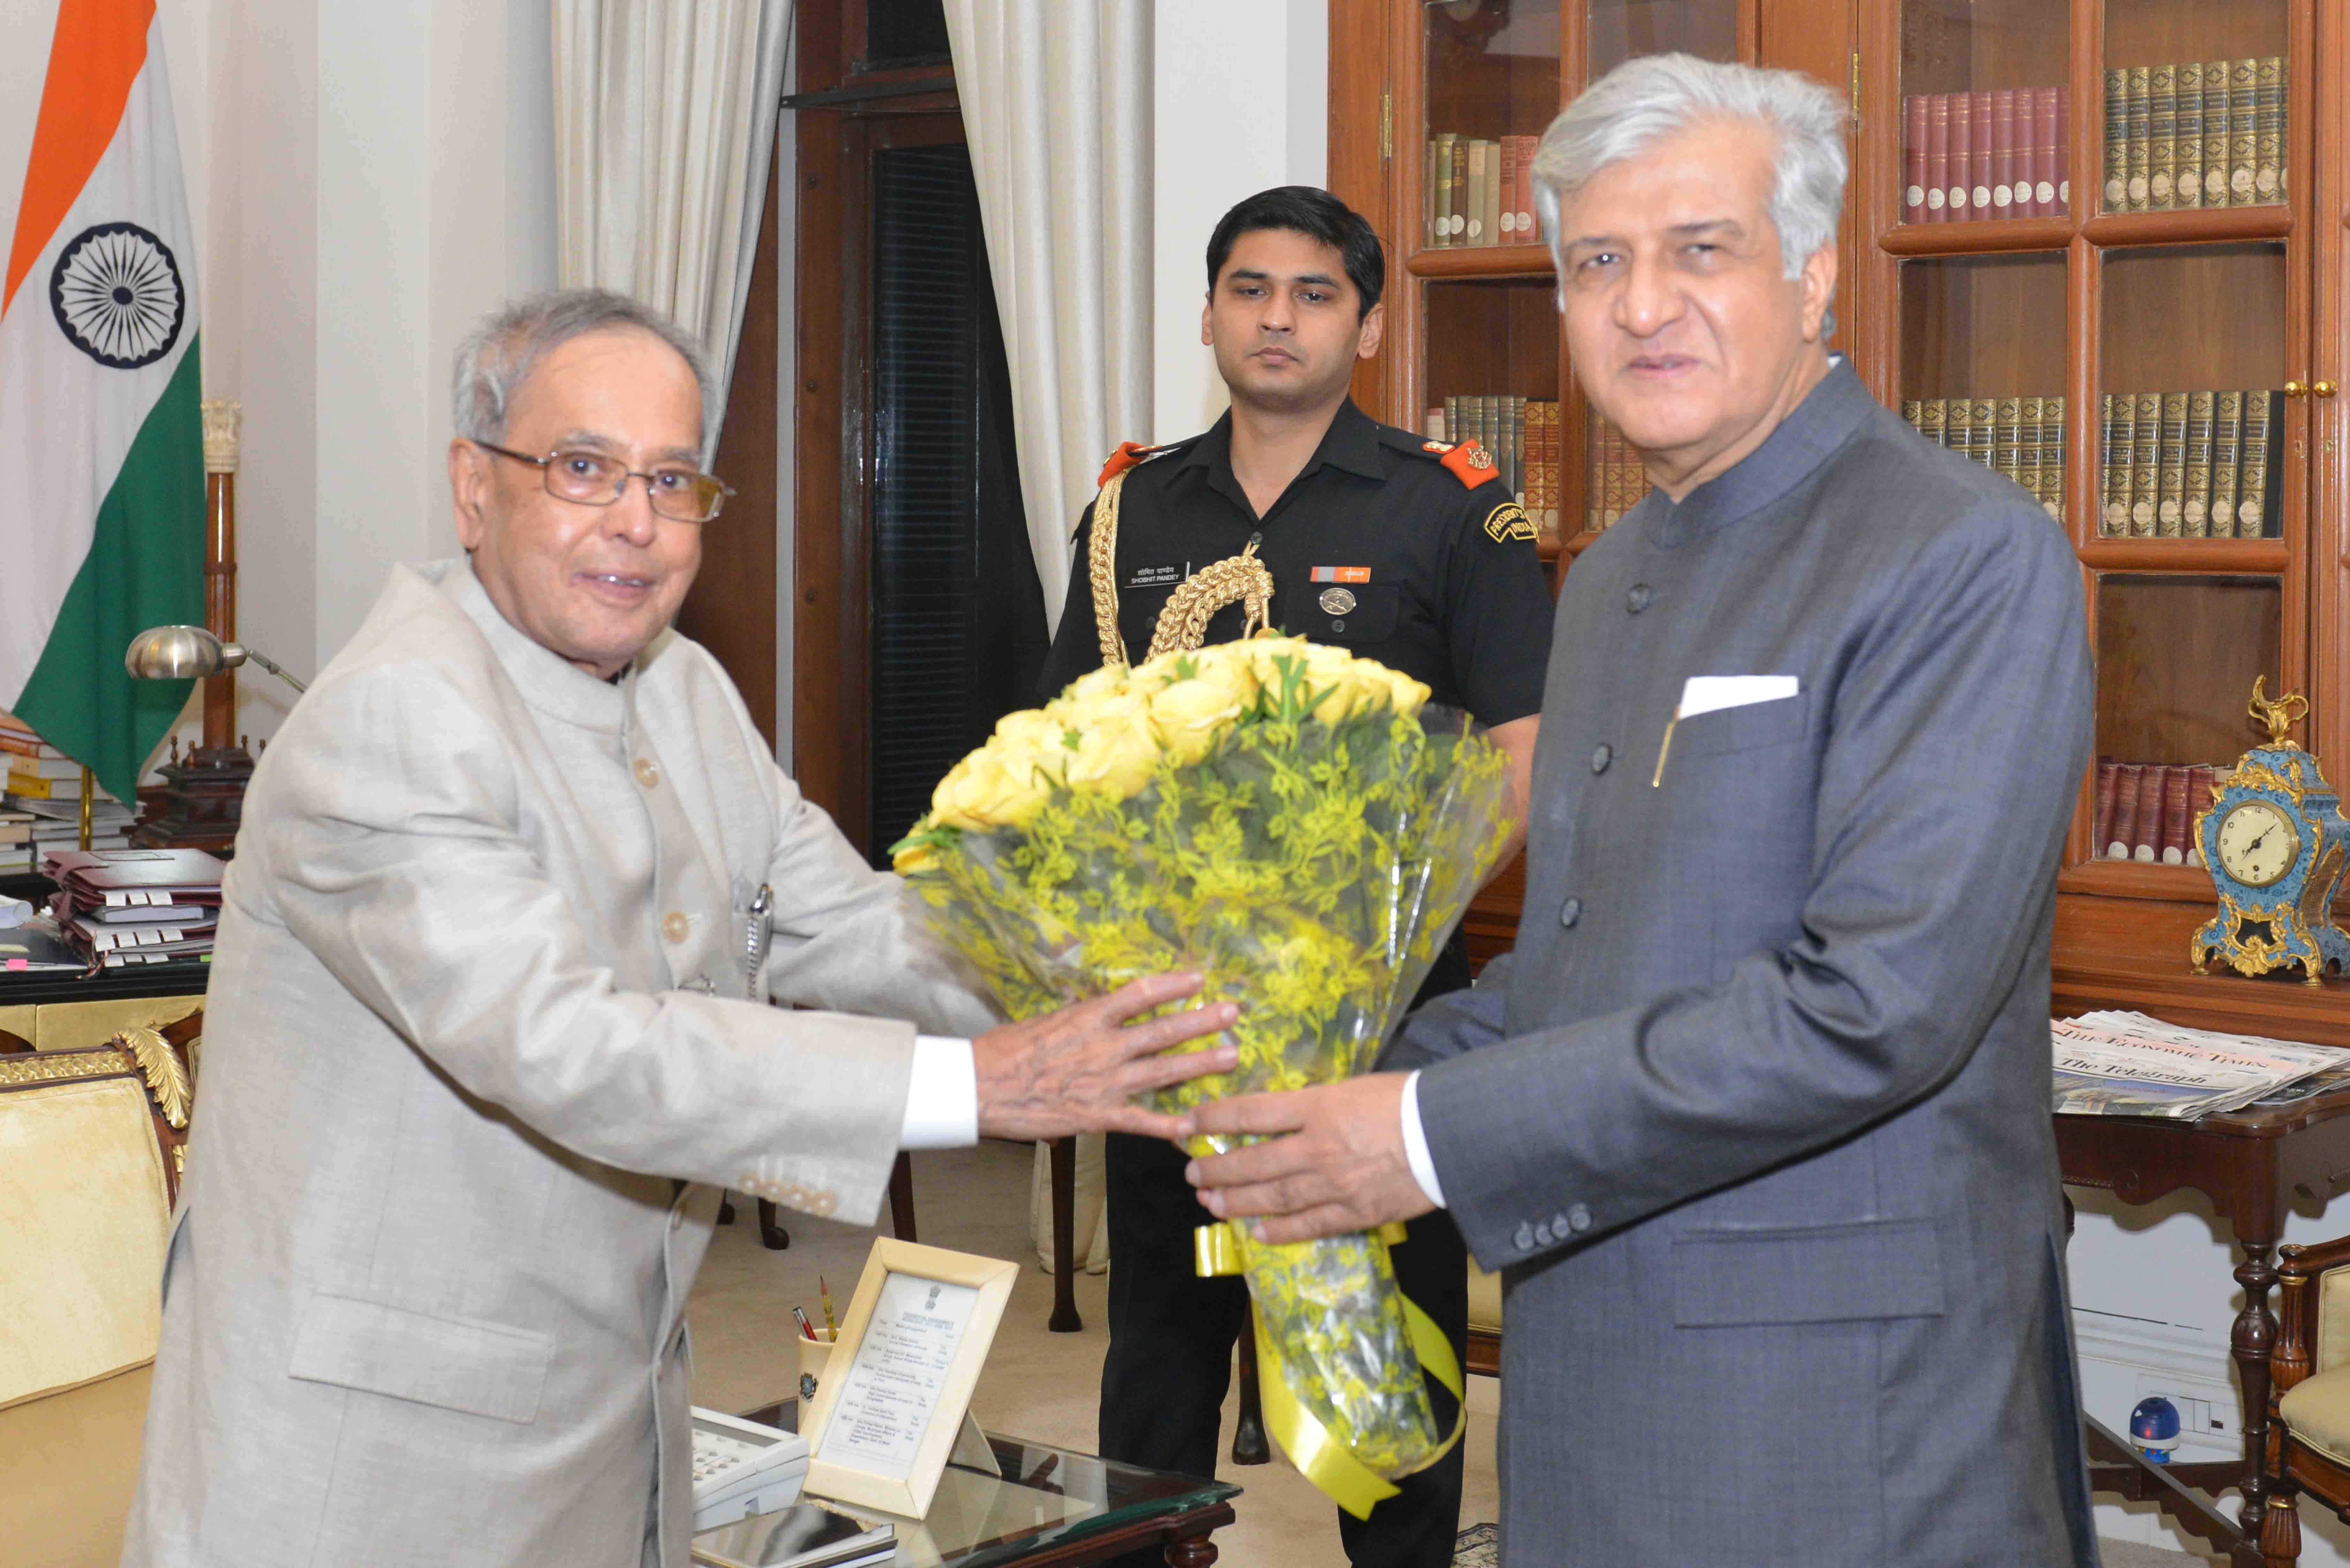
(2128, 1064)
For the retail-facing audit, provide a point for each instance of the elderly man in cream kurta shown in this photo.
(485, 1039)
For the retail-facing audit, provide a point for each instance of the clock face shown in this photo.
(2258, 843)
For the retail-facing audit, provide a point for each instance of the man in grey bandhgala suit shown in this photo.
(1754, 1121)
(487, 1037)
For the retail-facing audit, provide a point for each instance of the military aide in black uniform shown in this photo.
(1394, 548)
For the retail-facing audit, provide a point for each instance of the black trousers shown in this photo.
(1171, 1335)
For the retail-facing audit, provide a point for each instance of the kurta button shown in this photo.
(648, 772)
(1638, 600)
(1579, 1220)
(1601, 755)
(676, 927)
(1570, 913)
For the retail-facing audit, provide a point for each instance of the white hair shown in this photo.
(1643, 100)
(498, 357)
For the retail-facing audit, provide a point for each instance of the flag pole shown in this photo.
(221, 417)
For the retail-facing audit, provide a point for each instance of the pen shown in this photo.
(806, 1327)
(1665, 751)
(831, 1323)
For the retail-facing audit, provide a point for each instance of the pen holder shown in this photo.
(815, 1360)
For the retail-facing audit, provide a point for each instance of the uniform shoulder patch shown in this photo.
(1472, 464)
(1509, 521)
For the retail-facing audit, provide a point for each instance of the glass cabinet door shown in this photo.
(2194, 112)
(1492, 84)
(1621, 29)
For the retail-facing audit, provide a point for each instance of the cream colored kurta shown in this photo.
(478, 1060)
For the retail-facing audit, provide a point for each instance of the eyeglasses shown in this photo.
(680, 494)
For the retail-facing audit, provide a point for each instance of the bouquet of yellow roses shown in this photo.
(1286, 820)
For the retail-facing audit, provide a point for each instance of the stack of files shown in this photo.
(16, 842)
(2128, 1064)
(56, 824)
(33, 769)
(136, 905)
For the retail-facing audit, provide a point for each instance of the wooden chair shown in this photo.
(95, 1139)
(2309, 1381)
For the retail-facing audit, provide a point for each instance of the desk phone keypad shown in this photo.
(714, 1452)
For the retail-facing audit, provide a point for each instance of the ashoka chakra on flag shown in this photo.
(116, 293)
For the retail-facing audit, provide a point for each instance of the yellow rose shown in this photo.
(1109, 681)
(988, 789)
(913, 859)
(1190, 712)
(1404, 695)
(1338, 676)
(1033, 739)
(1117, 747)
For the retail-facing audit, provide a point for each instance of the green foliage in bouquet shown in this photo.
(1288, 821)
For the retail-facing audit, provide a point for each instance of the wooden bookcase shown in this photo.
(2077, 306)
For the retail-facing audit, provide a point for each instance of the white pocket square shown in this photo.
(1708, 693)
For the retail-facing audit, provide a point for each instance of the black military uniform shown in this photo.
(1395, 548)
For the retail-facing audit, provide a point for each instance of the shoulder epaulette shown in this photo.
(1469, 463)
(1128, 455)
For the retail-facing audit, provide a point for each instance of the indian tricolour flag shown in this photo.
(101, 453)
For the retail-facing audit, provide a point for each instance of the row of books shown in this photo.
(2147, 811)
(1967, 156)
(1522, 434)
(1618, 479)
(2209, 134)
(1479, 193)
(2023, 438)
(2193, 465)
(40, 801)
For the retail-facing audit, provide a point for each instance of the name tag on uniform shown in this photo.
(1158, 577)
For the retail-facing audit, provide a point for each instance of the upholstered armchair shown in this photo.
(91, 1144)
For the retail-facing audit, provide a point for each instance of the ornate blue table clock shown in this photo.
(2276, 841)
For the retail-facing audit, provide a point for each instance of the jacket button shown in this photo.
(676, 927)
(1638, 600)
(1542, 1234)
(648, 772)
(1601, 755)
(1570, 913)
(1524, 1239)
(1577, 1219)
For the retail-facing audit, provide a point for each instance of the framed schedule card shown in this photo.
(917, 1333)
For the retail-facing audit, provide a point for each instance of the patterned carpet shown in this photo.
(1479, 1546)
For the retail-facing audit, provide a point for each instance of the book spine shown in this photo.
(1962, 156)
(1913, 413)
(2268, 119)
(1525, 192)
(1452, 418)
(2052, 189)
(1432, 423)
(2145, 464)
(2116, 192)
(2243, 139)
(1983, 131)
(1932, 412)
(2162, 136)
(2195, 508)
(1983, 431)
(2139, 105)
(2125, 796)
(2176, 783)
(2146, 844)
(1937, 158)
(2029, 434)
(1494, 194)
(1506, 188)
(2227, 452)
(1518, 448)
(2007, 440)
(1958, 427)
(2109, 775)
(2198, 800)
(1456, 190)
(2170, 468)
(2114, 515)
(1479, 188)
(2052, 457)
(1546, 416)
(1913, 158)
(2273, 490)
(2186, 189)
(1446, 151)
(2215, 134)
(2252, 520)
(1592, 493)
(2004, 202)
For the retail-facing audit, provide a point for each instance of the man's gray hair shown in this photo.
(1643, 101)
(493, 363)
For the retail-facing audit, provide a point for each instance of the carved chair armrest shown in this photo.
(2299, 1299)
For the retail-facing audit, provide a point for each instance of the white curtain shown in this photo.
(1056, 107)
(664, 125)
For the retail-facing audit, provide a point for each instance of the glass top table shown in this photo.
(1049, 1506)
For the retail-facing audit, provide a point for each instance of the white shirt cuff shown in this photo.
(1415, 1143)
(943, 1099)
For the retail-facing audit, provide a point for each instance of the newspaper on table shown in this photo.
(2128, 1064)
